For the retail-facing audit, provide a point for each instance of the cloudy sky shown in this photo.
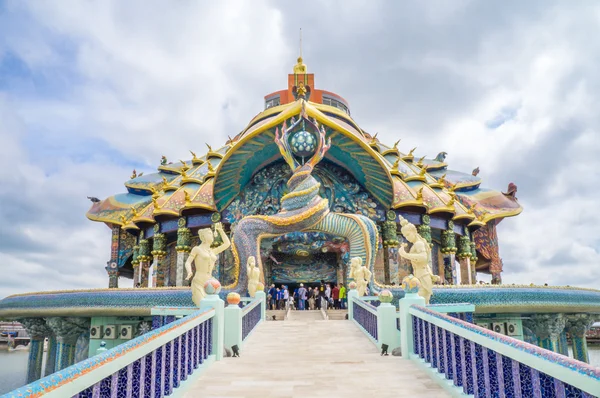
(90, 90)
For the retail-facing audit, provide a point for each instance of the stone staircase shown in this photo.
(337, 315)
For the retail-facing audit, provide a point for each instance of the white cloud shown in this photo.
(117, 84)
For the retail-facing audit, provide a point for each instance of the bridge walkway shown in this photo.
(312, 358)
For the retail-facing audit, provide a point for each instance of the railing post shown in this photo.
(260, 295)
(352, 295)
(387, 331)
(233, 326)
(406, 329)
(218, 323)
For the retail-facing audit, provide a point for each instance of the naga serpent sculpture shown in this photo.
(302, 209)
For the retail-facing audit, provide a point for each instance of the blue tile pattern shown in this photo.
(250, 319)
(151, 375)
(365, 318)
(483, 372)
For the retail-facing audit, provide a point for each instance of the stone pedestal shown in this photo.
(406, 328)
(577, 326)
(218, 324)
(233, 326)
(262, 296)
(387, 331)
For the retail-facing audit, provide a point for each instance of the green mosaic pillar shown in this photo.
(111, 266)
(135, 263)
(464, 259)
(547, 328)
(67, 331)
(449, 250)
(159, 251)
(145, 259)
(38, 330)
(390, 240)
(473, 259)
(577, 326)
(563, 346)
(184, 239)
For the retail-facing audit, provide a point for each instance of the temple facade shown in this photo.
(154, 222)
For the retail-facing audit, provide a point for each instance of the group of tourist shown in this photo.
(326, 295)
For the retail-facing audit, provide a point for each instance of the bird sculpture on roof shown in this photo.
(475, 171)
(512, 191)
(133, 174)
(141, 174)
(94, 199)
(163, 160)
(441, 157)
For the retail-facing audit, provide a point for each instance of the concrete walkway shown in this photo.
(310, 359)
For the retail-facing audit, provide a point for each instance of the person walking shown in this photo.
(328, 300)
(335, 294)
(273, 297)
(342, 296)
(321, 295)
(301, 297)
(286, 297)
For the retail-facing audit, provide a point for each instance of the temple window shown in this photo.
(271, 102)
(335, 103)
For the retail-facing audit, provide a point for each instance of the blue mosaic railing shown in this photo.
(489, 364)
(151, 365)
(365, 315)
(251, 316)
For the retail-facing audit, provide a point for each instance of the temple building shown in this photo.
(154, 222)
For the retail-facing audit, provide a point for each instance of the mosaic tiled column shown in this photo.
(464, 259)
(158, 251)
(547, 328)
(111, 265)
(38, 330)
(50, 356)
(389, 230)
(113, 276)
(184, 238)
(145, 259)
(473, 260)
(135, 263)
(67, 331)
(448, 251)
(577, 326)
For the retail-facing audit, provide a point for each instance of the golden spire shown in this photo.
(423, 171)
(211, 169)
(442, 179)
(134, 211)
(396, 144)
(186, 196)
(300, 67)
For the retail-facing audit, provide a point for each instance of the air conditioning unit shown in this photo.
(96, 332)
(499, 328)
(484, 325)
(126, 332)
(110, 332)
(512, 329)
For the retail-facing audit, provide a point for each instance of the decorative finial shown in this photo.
(396, 144)
(183, 173)
(184, 165)
(165, 181)
(133, 174)
(123, 219)
(155, 202)
(442, 179)
(453, 187)
(209, 148)
(211, 169)
(423, 171)
(186, 196)
(451, 201)
(420, 162)
(396, 164)
(134, 211)
(420, 194)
